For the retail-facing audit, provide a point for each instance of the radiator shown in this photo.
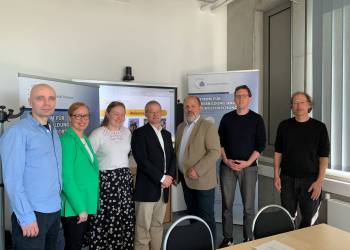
(338, 214)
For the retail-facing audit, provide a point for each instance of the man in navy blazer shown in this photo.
(154, 154)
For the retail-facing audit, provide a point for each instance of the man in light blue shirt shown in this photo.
(31, 158)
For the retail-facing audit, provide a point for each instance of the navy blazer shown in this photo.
(148, 154)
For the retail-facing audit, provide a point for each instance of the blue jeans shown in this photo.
(200, 203)
(48, 223)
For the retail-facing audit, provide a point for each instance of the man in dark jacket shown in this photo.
(154, 154)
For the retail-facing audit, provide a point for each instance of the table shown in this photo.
(319, 237)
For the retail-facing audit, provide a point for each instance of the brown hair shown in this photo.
(108, 110)
(243, 87)
(307, 96)
(74, 106)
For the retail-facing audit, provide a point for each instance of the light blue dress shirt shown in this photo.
(31, 160)
(185, 137)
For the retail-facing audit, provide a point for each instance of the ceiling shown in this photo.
(208, 1)
(262, 5)
(213, 4)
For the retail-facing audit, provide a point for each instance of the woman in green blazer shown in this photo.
(80, 177)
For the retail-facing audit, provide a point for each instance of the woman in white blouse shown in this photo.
(113, 226)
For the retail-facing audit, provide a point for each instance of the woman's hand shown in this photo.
(83, 216)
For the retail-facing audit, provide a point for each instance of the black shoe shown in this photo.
(226, 242)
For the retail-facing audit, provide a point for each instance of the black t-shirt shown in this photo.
(241, 135)
(301, 145)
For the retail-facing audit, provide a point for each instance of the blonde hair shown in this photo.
(74, 106)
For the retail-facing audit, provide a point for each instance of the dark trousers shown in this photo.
(200, 203)
(246, 178)
(294, 192)
(73, 232)
(48, 223)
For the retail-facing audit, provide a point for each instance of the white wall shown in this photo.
(163, 40)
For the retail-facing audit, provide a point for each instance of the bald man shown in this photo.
(31, 158)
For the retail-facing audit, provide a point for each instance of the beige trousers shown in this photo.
(149, 224)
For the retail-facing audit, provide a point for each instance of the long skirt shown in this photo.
(114, 224)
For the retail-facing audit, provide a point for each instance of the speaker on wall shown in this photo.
(128, 74)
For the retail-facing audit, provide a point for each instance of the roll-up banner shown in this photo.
(215, 90)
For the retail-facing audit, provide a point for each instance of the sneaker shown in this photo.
(226, 242)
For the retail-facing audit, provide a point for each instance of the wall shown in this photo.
(245, 35)
(240, 34)
(163, 40)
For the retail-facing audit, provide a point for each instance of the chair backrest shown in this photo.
(193, 234)
(271, 220)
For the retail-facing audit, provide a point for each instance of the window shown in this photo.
(330, 36)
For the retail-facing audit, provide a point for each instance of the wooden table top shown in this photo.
(319, 237)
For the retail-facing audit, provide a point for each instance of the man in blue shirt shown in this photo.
(31, 158)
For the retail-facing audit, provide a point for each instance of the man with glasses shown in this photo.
(31, 158)
(242, 138)
(153, 151)
(301, 153)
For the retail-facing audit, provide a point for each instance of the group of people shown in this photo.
(84, 183)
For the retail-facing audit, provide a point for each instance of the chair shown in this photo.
(193, 235)
(271, 220)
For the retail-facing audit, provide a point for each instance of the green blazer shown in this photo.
(80, 176)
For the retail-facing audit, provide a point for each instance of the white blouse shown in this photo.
(111, 147)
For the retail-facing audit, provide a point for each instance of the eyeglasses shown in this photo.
(81, 117)
(241, 96)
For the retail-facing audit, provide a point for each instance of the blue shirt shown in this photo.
(185, 137)
(31, 160)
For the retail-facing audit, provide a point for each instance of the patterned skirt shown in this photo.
(114, 224)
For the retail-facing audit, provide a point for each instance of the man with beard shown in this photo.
(197, 150)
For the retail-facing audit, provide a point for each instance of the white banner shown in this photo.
(215, 91)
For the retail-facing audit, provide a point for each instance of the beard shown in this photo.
(191, 118)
